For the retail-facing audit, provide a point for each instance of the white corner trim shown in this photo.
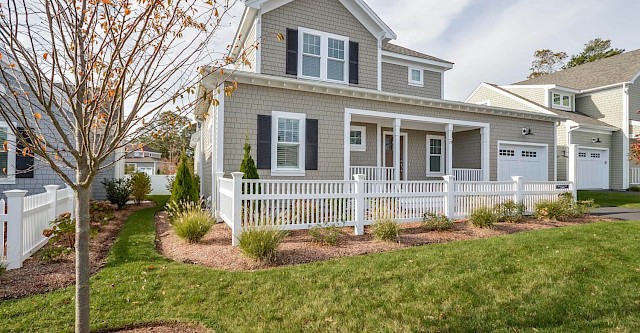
(635, 78)
(555, 152)
(258, 60)
(380, 63)
(625, 135)
(300, 171)
(363, 145)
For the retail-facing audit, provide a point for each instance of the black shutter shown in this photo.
(353, 62)
(311, 147)
(24, 162)
(264, 142)
(292, 52)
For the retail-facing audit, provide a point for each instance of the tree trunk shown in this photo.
(83, 195)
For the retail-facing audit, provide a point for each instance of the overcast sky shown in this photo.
(494, 40)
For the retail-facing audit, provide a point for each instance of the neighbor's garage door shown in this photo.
(593, 169)
(530, 162)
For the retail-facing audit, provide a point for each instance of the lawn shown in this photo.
(584, 278)
(612, 198)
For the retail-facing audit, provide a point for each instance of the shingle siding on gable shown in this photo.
(499, 100)
(395, 79)
(323, 15)
(634, 100)
(533, 94)
(249, 47)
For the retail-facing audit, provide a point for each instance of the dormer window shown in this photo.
(323, 56)
(415, 77)
(562, 101)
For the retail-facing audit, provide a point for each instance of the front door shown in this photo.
(388, 153)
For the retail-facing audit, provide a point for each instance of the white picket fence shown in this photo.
(26, 217)
(291, 205)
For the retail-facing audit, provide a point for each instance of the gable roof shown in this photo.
(575, 116)
(411, 53)
(621, 68)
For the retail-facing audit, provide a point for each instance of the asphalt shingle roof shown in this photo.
(617, 69)
(408, 52)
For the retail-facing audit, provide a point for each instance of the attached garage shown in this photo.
(593, 168)
(528, 160)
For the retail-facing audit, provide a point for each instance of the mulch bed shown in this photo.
(37, 276)
(168, 328)
(216, 251)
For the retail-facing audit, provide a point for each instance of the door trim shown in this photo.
(516, 143)
(607, 179)
(404, 151)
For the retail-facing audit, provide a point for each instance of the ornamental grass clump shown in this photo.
(327, 235)
(387, 230)
(436, 222)
(483, 217)
(261, 244)
(193, 225)
(510, 211)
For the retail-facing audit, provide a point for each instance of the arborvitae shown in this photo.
(248, 165)
(184, 187)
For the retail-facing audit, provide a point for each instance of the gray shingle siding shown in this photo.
(532, 94)
(395, 79)
(313, 14)
(467, 149)
(634, 100)
(484, 94)
(368, 157)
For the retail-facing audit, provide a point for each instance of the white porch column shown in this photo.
(396, 148)
(347, 145)
(572, 168)
(484, 155)
(448, 149)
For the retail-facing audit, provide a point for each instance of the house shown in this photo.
(601, 103)
(327, 94)
(144, 159)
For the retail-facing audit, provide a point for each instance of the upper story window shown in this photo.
(416, 77)
(562, 101)
(323, 56)
(358, 138)
(288, 144)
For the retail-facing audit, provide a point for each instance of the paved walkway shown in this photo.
(618, 213)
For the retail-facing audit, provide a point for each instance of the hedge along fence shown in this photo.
(294, 205)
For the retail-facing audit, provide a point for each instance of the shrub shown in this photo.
(62, 231)
(184, 187)
(53, 254)
(175, 209)
(634, 188)
(101, 211)
(483, 218)
(563, 208)
(118, 191)
(261, 243)
(193, 225)
(436, 222)
(328, 235)
(3, 267)
(510, 212)
(140, 184)
(248, 165)
(387, 230)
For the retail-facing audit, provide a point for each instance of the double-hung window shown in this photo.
(415, 77)
(435, 155)
(7, 155)
(323, 56)
(288, 144)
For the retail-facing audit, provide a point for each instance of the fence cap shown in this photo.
(237, 174)
(15, 193)
(51, 188)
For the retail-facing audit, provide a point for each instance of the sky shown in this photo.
(494, 40)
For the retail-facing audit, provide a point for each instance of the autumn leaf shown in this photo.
(215, 12)
(45, 55)
(5, 146)
(37, 115)
(280, 36)
(12, 66)
(4, 170)
(127, 11)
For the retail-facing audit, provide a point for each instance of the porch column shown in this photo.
(484, 155)
(347, 145)
(396, 149)
(449, 150)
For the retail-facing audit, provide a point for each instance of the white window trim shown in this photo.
(419, 83)
(362, 146)
(561, 106)
(442, 155)
(10, 178)
(324, 54)
(275, 171)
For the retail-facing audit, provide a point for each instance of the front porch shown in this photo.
(424, 148)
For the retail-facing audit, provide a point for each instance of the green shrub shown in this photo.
(184, 187)
(510, 211)
(118, 191)
(634, 188)
(387, 230)
(101, 211)
(261, 243)
(483, 218)
(328, 235)
(193, 225)
(53, 254)
(140, 184)
(248, 165)
(563, 208)
(3, 267)
(62, 231)
(436, 222)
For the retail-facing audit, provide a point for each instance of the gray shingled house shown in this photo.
(336, 97)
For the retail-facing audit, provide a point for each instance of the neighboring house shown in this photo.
(336, 97)
(601, 102)
(144, 159)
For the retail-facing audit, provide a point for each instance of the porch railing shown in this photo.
(470, 175)
(634, 176)
(372, 172)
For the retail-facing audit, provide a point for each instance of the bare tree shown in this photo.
(83, 75)
(546, 62)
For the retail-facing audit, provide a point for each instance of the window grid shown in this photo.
(507, 152)
(595, 155)
(288, 146)
(529, 153)
(582, 154)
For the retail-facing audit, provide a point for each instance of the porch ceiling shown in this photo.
(410, 124)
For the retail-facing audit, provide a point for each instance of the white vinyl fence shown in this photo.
(25, 218)
(291, 205)
(159, 184)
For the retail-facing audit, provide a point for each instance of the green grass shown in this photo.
(612, 198)
(581, 279)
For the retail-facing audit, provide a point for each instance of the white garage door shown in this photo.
(530, 162)
(593, 169)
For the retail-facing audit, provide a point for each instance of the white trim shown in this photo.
(555, 152)
(422, 61)
(608, 168)
(443, 155)
(625, 136)
(11, 152)
(406, 63)
(633, 80)
(586, 92)
(258, 50)
(346, 146)
(324, 55)
(378, 144)
(485, 154)
(370, 19)
(301, 117)
(414, 118)
(561, 106)
(511, 96)
(380, 63)
(219, 160)
(517, 143)
(363, 145)
(412, 82)
(405, 151)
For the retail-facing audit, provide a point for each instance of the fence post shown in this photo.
(572, 169)
(52, 190)
(216, 195)
(236, 210)
(517, 182)
(359, 204)
(449, 199)
(15, 203)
